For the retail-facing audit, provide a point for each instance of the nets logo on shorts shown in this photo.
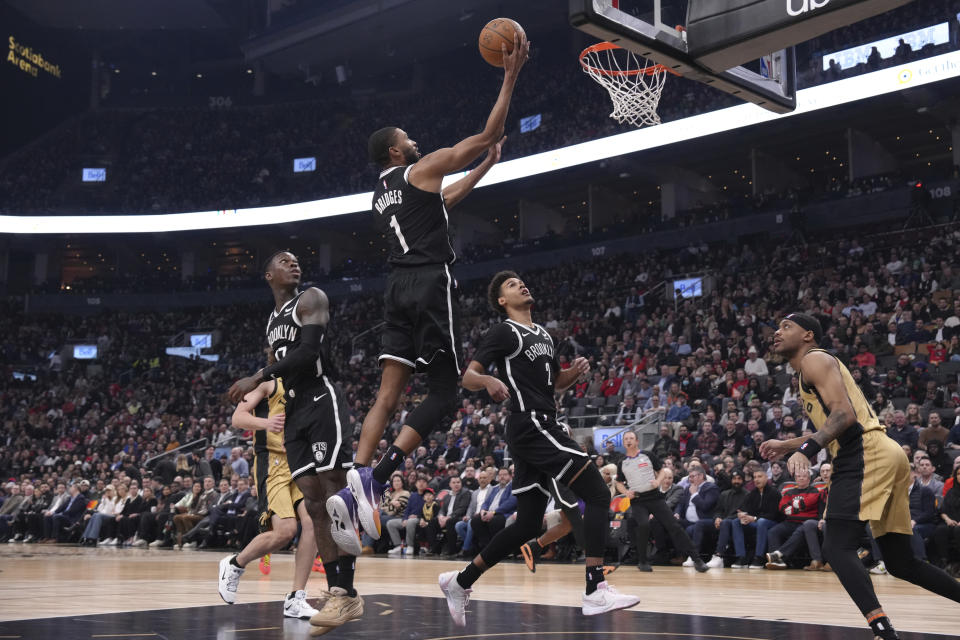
(320, 451)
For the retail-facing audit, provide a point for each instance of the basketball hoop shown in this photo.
(634, 83)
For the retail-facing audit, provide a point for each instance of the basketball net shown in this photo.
(634, 83)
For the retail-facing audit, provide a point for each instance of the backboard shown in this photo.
(743, 47)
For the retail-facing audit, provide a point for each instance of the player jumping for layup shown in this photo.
(871, 475)
(262, 410)
(422, 316)
(543, 454)
(314, 425)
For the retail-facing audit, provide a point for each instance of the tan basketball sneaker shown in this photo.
(337, 610)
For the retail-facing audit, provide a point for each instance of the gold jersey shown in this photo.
(817, 411)
(274, 404)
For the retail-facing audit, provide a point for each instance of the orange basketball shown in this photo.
(497, 32)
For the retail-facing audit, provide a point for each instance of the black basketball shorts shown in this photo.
(316, 430)
(422, 316)
(544, 456)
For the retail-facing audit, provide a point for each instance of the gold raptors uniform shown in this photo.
(278, 492)
(871, 474)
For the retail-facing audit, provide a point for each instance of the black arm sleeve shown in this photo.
(304, 356)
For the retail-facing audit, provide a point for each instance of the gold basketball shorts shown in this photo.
(871, 482)
(281, 491)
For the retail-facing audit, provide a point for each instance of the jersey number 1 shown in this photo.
(396, 228)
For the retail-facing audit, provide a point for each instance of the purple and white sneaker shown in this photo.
(343, 522)
(367, 492)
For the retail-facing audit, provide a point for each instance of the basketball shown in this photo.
(497, 32)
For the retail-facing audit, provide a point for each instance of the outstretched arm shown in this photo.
(428, 173)
(454, 193)
(773, 449)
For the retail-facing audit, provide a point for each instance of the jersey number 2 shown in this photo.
(396, 228)
(549, 373)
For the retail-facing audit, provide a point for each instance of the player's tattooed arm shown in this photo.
(822, 372)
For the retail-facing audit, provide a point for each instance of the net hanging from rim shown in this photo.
(633, 82)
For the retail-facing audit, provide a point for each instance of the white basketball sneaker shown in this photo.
(229, 580)
(457, 597)
(606, 598)
(296, 606)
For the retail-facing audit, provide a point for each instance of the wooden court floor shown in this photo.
(39, 582)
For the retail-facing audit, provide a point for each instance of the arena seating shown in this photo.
(201, 159)
(102, 422)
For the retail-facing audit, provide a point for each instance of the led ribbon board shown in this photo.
(912, 74)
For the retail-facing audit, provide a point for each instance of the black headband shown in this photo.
(809, 323)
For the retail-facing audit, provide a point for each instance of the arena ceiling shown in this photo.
(386, 34)
(115, 15)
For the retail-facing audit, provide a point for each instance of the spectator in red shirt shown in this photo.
(683, 441)
(611, 386)
(801, 508)
(937, 353)
(864, 358)
(580, 389)
(740, 384)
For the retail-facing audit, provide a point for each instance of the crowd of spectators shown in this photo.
(633, 221)
(919, 15)
(701, 367)
(198, 159)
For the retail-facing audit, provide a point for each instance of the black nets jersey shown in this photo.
(283, 335)
(525, 363)
(414, 221)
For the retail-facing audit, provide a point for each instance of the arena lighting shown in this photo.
(884, 81)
